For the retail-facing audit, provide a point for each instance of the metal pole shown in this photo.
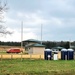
(41, 33)
(21, 35)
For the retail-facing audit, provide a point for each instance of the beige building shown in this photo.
(34, 47)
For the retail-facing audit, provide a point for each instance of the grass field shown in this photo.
(36, 67)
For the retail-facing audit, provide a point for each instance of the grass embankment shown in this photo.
(37, 67)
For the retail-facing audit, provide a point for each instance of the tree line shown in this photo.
(48, 44)
(10, 43)
(64, 44)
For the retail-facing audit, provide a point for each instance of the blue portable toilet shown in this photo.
(64, 54)
(47, 54)
(70, 54)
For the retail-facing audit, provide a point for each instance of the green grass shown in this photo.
(3, 52)
(36, 67)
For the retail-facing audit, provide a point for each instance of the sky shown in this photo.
(57, 18)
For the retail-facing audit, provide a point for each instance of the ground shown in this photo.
(37, 67)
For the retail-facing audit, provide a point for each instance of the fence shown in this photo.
(26, 56)
(21, 56)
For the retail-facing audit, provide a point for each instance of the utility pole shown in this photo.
(41, 33)
(21, 35)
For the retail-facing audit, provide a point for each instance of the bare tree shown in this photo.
(3, 9)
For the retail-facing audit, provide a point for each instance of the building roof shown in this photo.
(72, 47)
(58, 47)
(36, 45)
(32, 40)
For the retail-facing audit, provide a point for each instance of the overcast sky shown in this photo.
(56, 16)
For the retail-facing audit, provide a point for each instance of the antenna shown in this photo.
(21, 35)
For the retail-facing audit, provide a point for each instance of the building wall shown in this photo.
(30, 51)
(38, 50)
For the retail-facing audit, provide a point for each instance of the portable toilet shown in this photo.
(70, 54)
(47, 54)
(55, 57)
(64, 54)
